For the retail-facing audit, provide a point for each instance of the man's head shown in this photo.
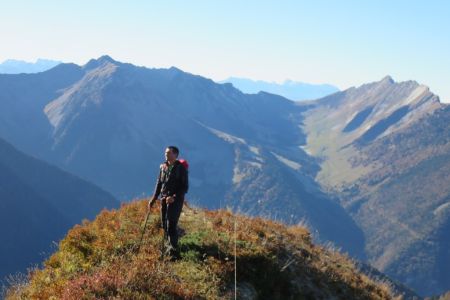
(171, 153)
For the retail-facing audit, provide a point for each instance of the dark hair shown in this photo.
(174, 150)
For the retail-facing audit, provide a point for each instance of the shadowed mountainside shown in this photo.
(39, 203)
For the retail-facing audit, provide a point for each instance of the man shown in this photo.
(172, 184)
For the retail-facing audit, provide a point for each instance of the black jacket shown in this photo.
(172, 181)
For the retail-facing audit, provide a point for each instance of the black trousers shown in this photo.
(170, 214)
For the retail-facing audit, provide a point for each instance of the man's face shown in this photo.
(169, 155)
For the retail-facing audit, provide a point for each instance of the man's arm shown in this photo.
(157, 189)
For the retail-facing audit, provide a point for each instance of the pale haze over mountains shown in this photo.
(13, 66)
(366, 168)
(290, 89)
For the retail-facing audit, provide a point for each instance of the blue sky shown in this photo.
(345, 43)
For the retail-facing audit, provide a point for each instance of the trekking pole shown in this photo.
(162, 247)
(143, 231)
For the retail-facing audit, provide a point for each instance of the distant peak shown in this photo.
(172, 68)
(94, 63)
(106, 58)
(387, 79)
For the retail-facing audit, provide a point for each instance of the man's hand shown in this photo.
(170, 199)
(151, 203)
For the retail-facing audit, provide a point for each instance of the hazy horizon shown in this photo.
(344, 44)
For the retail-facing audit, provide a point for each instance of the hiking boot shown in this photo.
(173, 254)
(174, 257)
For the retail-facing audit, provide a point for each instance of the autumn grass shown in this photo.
(99, 260)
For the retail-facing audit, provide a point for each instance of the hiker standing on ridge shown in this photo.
(172, 184)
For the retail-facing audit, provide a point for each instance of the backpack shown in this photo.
(184, 163)
(186, 166)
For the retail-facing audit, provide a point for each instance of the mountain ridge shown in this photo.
(272, 260)
(382, 147)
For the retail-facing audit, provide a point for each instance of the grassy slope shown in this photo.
(97, 260)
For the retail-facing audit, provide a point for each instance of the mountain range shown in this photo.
(109, 122)
(363, 168)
